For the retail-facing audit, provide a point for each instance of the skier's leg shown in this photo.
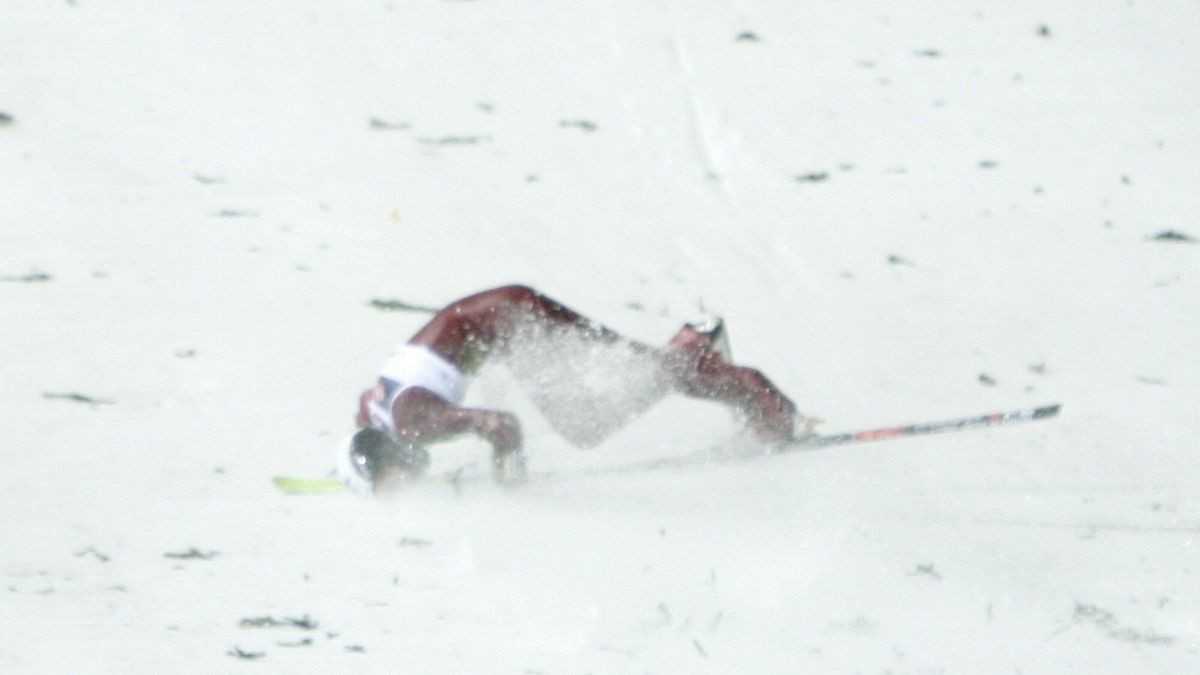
(560, 348)
(488, 321)
(586, 379)
(697, 368)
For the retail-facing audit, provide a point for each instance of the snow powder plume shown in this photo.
(586, 389)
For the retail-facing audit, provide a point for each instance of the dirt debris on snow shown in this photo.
(192, 553)
(76, 397)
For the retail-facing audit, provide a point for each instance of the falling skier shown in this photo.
(587, 380)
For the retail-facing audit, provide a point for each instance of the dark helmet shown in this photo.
(373, 453)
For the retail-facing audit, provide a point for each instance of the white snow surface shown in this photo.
(904, 211)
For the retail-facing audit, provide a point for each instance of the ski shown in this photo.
(309, 486)
(720, 454)
(923, 429)
(726, 452)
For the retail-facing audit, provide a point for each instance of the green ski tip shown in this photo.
(308, 486)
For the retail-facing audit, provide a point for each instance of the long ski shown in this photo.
(719, 455)
(958, 424)
(725, 454)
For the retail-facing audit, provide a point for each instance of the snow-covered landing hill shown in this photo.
(904, 211)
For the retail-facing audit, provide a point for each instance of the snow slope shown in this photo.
(904, 211)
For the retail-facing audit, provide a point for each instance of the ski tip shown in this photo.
(308, 486)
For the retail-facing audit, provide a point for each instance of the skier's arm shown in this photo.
(422, 417)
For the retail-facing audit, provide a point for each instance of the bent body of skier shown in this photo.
(559, 355)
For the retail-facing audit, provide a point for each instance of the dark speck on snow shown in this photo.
(814, 177)
(1172, 235)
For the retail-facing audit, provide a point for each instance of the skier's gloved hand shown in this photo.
(510, 468)
(500, 429)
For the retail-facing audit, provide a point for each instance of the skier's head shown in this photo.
(376, 460)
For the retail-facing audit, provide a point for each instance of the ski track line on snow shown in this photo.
(699, 125)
